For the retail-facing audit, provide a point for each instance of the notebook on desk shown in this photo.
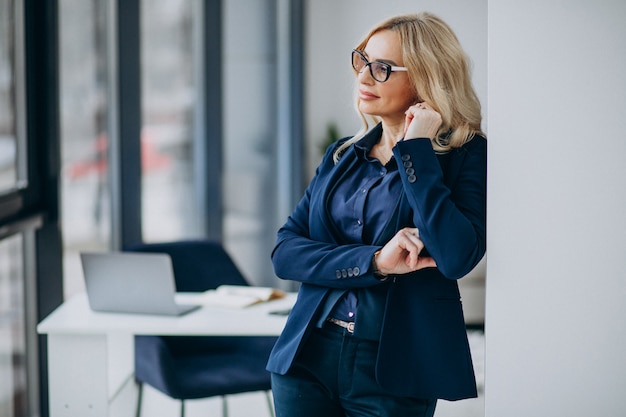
(125, 282)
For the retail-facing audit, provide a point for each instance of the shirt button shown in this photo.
(358, 222)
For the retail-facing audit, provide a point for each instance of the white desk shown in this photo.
(91, 355)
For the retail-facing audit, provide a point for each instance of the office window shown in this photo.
(85, 192)
(167, 72)
(13, 372)
(8, 136)
(250, 134)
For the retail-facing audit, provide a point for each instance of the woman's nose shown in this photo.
(365, 76)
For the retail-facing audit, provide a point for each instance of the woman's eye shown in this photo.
(380, 70)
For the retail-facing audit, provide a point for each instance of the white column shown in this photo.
(556, 287)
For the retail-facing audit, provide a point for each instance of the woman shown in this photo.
(393, 217)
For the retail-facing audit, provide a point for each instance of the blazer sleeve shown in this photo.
(449, 208)
(316, 258)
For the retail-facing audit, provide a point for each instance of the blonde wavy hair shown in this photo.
(439, 72)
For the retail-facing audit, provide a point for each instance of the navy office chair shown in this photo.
(193, 367)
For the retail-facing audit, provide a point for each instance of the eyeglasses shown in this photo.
(380, 71)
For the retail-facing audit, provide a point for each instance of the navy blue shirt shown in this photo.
(360, 207)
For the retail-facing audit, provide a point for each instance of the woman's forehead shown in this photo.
(384, 45)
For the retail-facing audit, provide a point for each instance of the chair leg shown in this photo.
(139, 398)
(270, 403)
(224, 406)
(182, 408)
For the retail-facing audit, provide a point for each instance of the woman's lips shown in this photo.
(364, 95)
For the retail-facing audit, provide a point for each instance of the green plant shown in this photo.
(332, 135)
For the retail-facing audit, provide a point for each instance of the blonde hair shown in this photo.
(439, 72)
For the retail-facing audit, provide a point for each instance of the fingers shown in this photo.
(418, 107)
(421, 120)
(411, 112)
(401, 254)
(413, 245)
(412, 234)
(407, 121)
(426, 262)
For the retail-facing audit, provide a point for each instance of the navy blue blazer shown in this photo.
(423, 350)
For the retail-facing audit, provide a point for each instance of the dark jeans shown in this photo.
(333, 376)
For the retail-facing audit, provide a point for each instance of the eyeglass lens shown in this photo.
(379, 70)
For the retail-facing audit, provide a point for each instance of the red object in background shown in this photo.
(151, 159)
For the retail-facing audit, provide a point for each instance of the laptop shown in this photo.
(131, 282)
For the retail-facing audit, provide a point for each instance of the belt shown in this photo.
(348, 325)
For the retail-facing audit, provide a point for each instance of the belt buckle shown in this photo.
(350, 327)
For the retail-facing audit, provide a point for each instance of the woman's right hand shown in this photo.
(421, 121)
(401, 254)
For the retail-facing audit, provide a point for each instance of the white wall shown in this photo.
(556, 287)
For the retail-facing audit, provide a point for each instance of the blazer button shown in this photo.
(356, 271)
(412, 178)
(350, 274)
(410, 171)
(338, 274)
(406, 157)
(407, 164)
(344, 273)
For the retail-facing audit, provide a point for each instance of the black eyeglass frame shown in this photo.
(387, 67)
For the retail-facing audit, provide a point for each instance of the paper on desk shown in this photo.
(239, 296)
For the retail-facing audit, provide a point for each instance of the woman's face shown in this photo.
(390, 99)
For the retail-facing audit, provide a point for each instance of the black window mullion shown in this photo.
(125, 155)
(211, 163)
(290, 143)
(41, 193)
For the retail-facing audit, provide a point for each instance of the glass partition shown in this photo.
(169, 209)
(8, 134)
(13, 363)
(86, 214)
(250, 135)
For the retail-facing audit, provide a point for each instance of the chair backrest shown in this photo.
(199, 265)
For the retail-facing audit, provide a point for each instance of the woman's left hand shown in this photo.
(401, 254)
(421, 121)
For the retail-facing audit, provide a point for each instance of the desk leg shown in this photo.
(87, 373)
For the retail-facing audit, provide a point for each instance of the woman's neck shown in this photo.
(392, 133)
(383, 149)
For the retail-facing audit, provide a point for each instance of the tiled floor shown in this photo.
(255, 404)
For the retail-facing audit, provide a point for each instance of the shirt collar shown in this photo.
(364, 145)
